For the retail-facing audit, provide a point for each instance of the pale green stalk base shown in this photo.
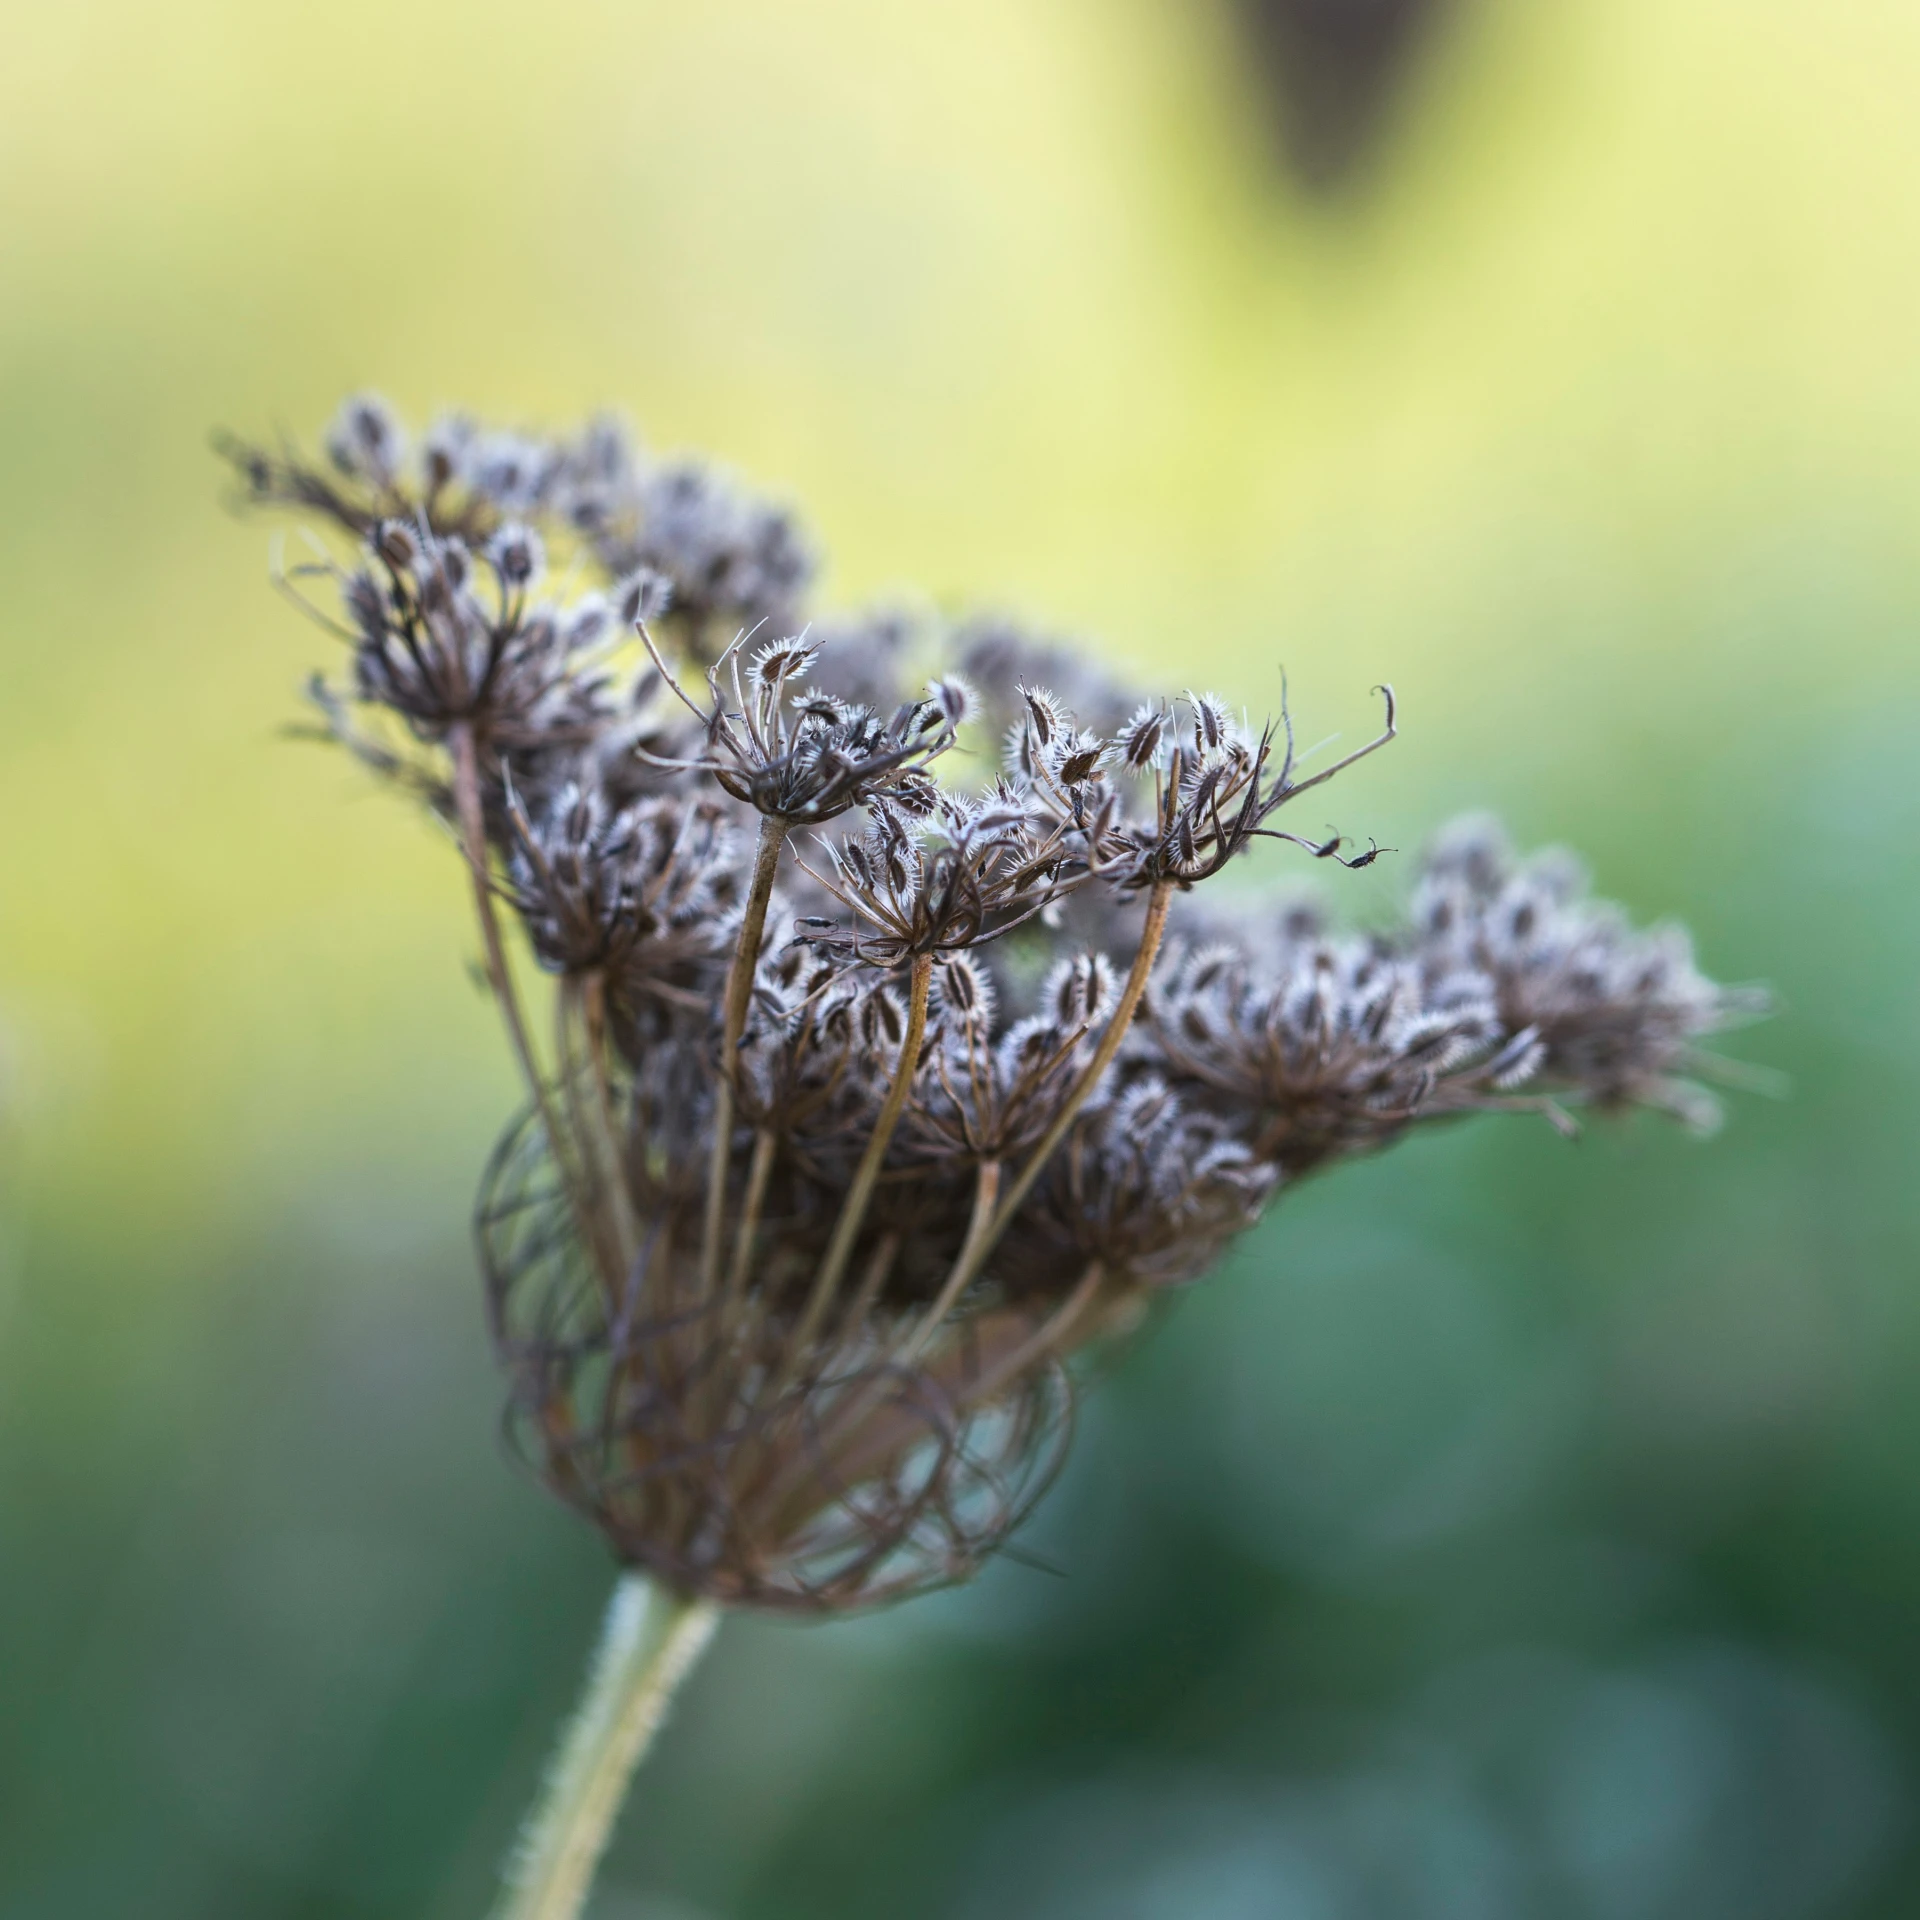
(650, 1640)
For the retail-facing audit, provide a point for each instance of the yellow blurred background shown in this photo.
(1588, 414)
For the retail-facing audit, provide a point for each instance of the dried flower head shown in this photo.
(798, 756)
(843, 1146)
(1617, 1012)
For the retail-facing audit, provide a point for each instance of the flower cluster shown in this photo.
(875, 1091)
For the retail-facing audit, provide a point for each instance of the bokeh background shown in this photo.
(1512, 1529)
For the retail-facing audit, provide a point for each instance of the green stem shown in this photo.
(651, 1639)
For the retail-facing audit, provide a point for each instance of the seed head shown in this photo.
(847, 1140)
(804, 759)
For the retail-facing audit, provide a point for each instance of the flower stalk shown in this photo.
(739, 991)
(649, 1643)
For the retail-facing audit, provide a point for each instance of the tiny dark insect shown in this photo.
(1373, 853)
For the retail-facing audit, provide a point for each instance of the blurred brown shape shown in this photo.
(1328, 71)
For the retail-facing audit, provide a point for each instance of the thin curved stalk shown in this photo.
(473, 836)
(650, 1641)
(593, 1009)
(765, 1144)
(853, 1209)
(879, 1265)
(979, 1246)
(1044, 1340)
(990, 1220)
(847, 1419)
(739, 995)
(473, 839)
(609, 1222)
(874, 1435)
(1150, 937)
(986, 1189)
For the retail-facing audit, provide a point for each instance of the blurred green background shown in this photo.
(1512, 1529)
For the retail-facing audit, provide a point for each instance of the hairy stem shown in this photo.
(746, 958)
(651, 1639)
